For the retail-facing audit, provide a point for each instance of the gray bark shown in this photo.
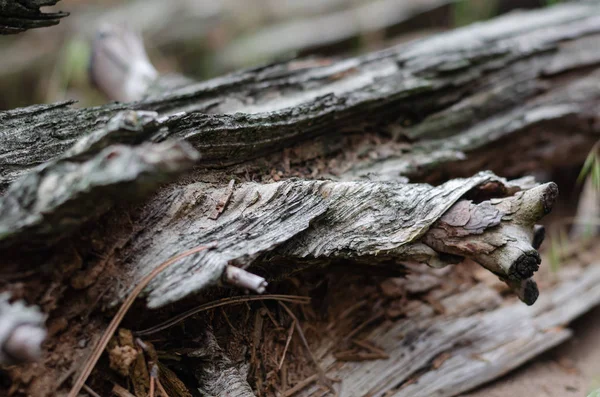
(285, 227)
(19, 15)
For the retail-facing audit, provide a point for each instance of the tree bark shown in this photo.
(319, 153)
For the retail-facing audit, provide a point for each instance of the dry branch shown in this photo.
(285, 227)
(19, 15)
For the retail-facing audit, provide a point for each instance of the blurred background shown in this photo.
(207, 38)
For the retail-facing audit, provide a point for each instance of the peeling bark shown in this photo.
(57, 199)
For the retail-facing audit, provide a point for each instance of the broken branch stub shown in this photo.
(461, 231)
(499, 234)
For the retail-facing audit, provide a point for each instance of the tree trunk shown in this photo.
(300, 178)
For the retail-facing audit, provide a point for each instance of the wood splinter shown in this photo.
(241, 278)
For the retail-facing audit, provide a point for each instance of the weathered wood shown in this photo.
(476, 339)
(288, 226)
(215, 372)
(521, 80)
(459, 92)
(19, 15)
(58, 198)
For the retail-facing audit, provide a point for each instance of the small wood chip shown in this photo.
(222, 204)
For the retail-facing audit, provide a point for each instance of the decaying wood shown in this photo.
(434, 107)
(19, 15)
(284, 227)
(22, 332)
(521, 80)
(479, 339)
(59, 197)
(215, 372)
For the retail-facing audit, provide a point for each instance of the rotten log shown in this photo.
(440, 106)
(20, 15)
(288, 227)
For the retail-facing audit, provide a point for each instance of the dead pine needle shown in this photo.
(287, 344)
(114, 324)
(371, 348)
(219, 303)
(151, 392)
(363, 325)
(90, 391)
(322, 376)
(270, 315)
(153, 370)
(306, 382)
(120, 391)
(160, 388)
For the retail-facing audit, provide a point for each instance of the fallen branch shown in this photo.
(17, 16)
(510, 76)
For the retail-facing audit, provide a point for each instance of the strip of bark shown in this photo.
(59, 197)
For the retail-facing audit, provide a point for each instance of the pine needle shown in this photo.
(114, 324)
